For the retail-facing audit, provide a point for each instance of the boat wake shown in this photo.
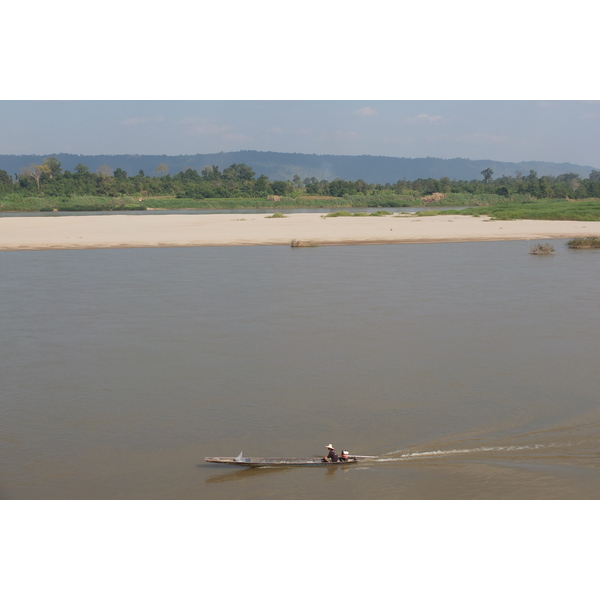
(453, 451)
(570, 442)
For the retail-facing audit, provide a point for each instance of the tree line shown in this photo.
(240, 181)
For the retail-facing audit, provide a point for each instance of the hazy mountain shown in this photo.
(283, 166)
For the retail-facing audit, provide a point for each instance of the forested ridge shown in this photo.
(284, 165)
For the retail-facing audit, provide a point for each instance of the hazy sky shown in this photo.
(557, 131)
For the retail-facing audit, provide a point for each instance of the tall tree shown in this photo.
(80, 169)
(33, 172)
(241, 172)
(161, 169)
(211, 172)
(282, 188)
(262, 184)
(104, 171)
(487, 174)
(571, 179)
(52, 166)
(5, 179)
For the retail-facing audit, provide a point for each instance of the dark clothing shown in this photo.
(332, 456)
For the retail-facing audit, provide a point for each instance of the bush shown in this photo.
(302, 244)
(584, 243)
(339, 213)
(541, 249)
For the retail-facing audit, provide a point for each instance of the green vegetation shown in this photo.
(276, 216)
(547, 210)
(584, 243)
(14, 203)
(46, 187)
(541, 249)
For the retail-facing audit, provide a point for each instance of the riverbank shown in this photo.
(151, 231)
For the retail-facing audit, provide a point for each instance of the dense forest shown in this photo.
(46, 187)
(239, 181)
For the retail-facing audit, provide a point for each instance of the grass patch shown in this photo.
(434, 213)
(276, 216)
(518, 206)
(345, 213)
(541, 249)
(339, 213)
(584, 243)
(69, 204)
(97, 207)
(545, 211)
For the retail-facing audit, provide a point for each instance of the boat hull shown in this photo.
(276, 462)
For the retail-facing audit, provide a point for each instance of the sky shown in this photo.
(555, 131)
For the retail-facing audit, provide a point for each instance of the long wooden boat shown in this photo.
(277, 462)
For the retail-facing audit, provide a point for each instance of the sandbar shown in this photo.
(62, 232)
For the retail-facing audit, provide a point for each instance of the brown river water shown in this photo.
(469, 370)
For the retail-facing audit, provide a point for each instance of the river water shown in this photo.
(469, 370)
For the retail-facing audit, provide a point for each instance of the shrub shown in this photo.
(303, 244)
(584, 243)
(339, 213)
(276, 216)
(541, 249)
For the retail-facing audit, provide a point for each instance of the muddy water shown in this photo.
(468, 370)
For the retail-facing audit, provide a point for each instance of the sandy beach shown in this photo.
(152, 231)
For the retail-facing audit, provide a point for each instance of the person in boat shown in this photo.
(344, 457)
(332, 456)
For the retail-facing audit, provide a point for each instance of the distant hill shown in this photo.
(283, 166)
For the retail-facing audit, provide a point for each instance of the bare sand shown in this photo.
(155, 231)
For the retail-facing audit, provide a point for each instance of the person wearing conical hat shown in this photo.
(332, 456)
